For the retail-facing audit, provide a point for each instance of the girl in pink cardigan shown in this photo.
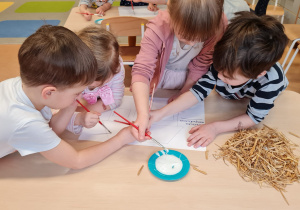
(176, 51)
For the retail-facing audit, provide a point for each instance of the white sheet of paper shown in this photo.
(139, 11)
(171, 131)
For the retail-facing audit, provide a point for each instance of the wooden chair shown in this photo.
(130, 27)
(293, 33)
(272, 10)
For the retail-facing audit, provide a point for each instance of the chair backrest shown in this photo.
(125, 26)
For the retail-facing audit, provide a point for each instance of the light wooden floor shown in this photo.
(293, 73)
(10, 67)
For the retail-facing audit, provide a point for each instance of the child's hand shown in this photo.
(152, 7)
(88, 119)
(87, 16)
(155, 116)
(127, 136)
(202, 135)
(100, 11)
(142, 124)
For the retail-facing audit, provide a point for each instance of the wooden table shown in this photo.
(32, 182)
(76, 22)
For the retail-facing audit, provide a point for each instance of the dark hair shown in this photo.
(105, 47)
(55, 55)
(250, 44)
(196, 20)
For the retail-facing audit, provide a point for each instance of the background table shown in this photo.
(32, 182)
(76, 22)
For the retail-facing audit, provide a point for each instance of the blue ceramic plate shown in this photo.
(185, 166)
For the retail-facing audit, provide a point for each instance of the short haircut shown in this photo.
(105, 47)
(250, 44)
(196, 20)
(56, 56)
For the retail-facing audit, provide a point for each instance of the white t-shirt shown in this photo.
(22, 127)
(232, 6)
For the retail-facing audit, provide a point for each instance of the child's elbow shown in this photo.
(78, 164)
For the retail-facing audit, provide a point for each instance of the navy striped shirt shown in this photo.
(262, 91)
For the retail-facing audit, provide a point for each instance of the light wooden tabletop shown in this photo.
(76, 22)
(32, 182)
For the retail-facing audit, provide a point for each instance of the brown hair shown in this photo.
(105, 47)
(55, 55)
(196, 20)
(250, 44)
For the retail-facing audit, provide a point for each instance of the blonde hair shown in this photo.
(196, 20)
(105, 47)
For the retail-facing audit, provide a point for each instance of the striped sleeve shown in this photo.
(263, 100)
(205, 84)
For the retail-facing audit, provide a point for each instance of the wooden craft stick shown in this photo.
(151, 100)
(139, 172)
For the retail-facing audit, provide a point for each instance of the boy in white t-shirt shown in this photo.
(55, 67)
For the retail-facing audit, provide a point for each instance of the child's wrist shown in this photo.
(217, 126)
(143, 115)
(78, 119)
(125, 136)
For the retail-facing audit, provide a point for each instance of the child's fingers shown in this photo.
(193, 139)
(202, 142)
(149, 133)
(101, 12)
(207, 142)
(193, 129)
(195, 133)
(87, 17)
(142, 131)
(141, 134)
(134, 132)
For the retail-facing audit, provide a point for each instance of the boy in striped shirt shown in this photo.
(244, 65)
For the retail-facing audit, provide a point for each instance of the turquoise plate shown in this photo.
(185, 166)
(98, 21)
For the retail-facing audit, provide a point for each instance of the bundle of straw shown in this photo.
(262, 156)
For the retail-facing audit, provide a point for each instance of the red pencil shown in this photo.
(132, 7)
(133, 125)
(121, 122)
(85, 13)
(86, 109)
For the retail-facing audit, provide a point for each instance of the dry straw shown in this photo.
(262, 156)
